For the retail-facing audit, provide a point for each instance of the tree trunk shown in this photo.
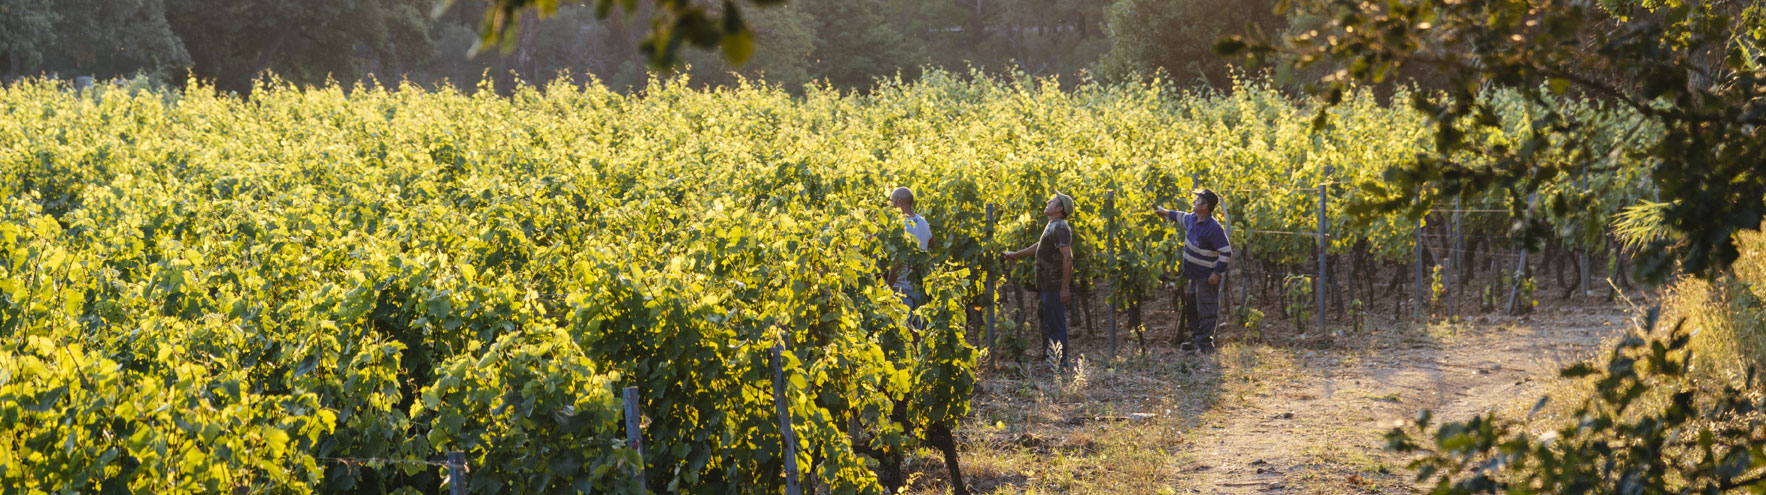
(941, 437)
(1570, 287)
(1181, 333)
(1619, 271)
(1369, 269)
(1462, 265)
(1566, 257)
(1335, 273)
(1547, 257)
(1396, 289)
(1496, 272)
(1263, 269)
(1134, 325)
(889, 472)
(1084, 299)
(1023, 323)
(1351, 273)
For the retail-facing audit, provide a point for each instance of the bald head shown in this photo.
(902, 198)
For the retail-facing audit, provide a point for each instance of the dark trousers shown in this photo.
(912, 299)
(1054, 323)
(1202, 309)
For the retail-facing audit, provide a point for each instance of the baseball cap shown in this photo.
(1209, 196)
(1066, 204)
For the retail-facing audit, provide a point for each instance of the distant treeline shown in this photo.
(844, 43)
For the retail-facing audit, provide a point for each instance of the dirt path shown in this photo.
(1319, 430)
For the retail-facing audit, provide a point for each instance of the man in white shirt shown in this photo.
(903, 198)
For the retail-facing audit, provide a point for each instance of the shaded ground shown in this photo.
(1322, 431)
(1282, 415)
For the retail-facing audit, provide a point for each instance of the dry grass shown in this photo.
(1341, 470)
(1727, 323)
(1726, 320)
(1104, 427)
(1136, 424)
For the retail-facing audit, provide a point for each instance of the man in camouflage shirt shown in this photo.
(1054, 272)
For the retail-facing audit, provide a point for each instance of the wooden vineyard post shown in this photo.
(1323, 249)
(1586, 289)
(1243, 250)
(1585, 275)
(1521, 266)
(1110, 257)
(992, 301)
(1226, 292)
(457, 473)
(1514, 291)
(786, 433)
(1455, 257)
(633, 437)
(1225, 287)
(1416, 309)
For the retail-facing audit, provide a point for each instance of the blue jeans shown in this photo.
(1054, 323)
(912, 299)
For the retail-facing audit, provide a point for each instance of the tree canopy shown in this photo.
(1178, 36)
(97, 36)
(234, 42)
(1692, 70)
(1692, 73)
(844, 44)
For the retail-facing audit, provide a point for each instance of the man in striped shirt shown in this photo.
(1205, 255)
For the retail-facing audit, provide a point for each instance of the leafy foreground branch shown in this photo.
(1697, 442)
(1694, 74)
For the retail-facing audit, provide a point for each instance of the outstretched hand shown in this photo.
(1160, 211)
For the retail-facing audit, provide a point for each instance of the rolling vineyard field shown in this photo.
(293, 293)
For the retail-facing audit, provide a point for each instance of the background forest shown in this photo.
(845, 43)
